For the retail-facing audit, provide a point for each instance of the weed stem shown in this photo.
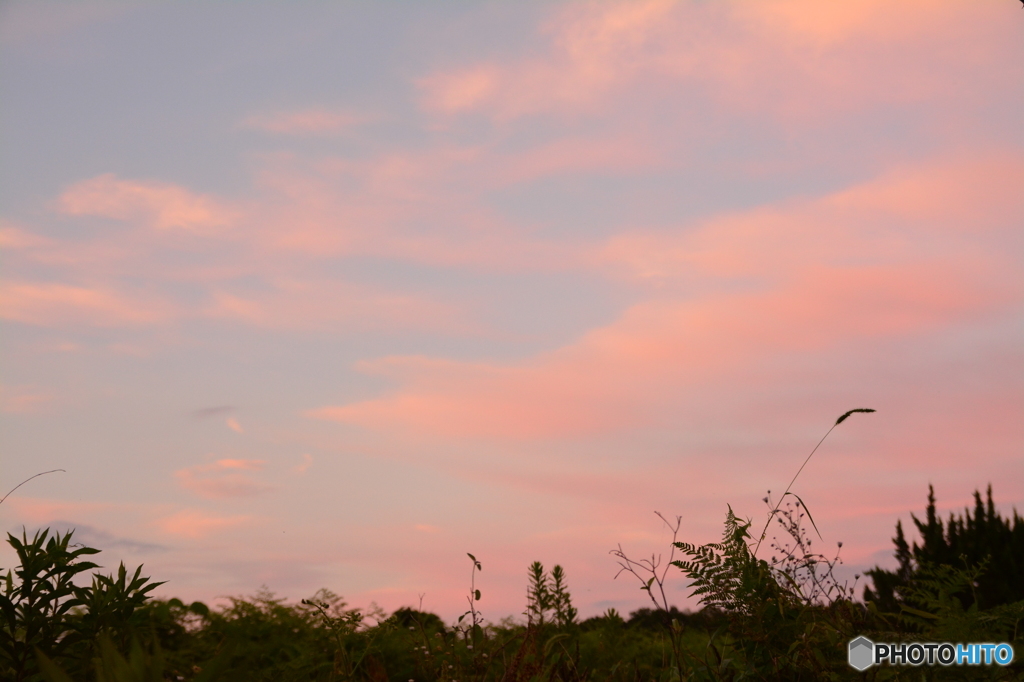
(778, 504)
(26, 481)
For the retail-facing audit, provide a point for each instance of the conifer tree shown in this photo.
(964, 541)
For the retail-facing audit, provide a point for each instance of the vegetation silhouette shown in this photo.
(784, 617)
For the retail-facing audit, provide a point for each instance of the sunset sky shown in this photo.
(308, 294)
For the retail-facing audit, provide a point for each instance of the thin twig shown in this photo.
(651, 565)
(26, 481)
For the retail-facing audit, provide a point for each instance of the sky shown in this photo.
(305, 295)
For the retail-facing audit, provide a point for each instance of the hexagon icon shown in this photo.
(862, 653)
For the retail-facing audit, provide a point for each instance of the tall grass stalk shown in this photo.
(782, 499)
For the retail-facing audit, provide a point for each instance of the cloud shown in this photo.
(326, 304)
(23, 399)
(273, 276)
(420, 207)
(244, 464)
(224, 478)
(575, 156)
(949, 212)
(592, 48)
(54, 304)
(760, 59)
(103, 540)
(195, 524)
(216, 411)
(306, 122)
(307, 461)
(43, 511)
(460, 90)
(741, 293)
(13, 237)
(233, 424)
(162, 205)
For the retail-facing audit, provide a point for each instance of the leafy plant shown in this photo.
(726, 575)
(352, 646)
(476, 619)
(37, 600)
(45, 611)
(548, 598)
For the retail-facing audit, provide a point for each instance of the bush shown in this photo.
(45, 612)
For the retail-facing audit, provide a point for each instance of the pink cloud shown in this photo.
(807, 277)
(460, 90)
(162, 205)
(614, 378)
(421, 207)
(832, 23)
(194, 524)
(244, 464)
(15, 237)
(52, 304)
(42, 511)
(222, 479)
(578, 155)
(945, 211)
(307, 461)
(23, 399)
(327, 304)
(301, 221)
(592, 49)
(307, 122)
(759, 58)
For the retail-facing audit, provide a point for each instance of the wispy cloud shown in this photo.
(956, 206)
(54, 304)
(162, 205)
(42, 511)
(328, 304)
(224, 478)
(23, 399)
(104, 540)
(742, 292)
(750, 57)
(307, 461)
(196, 524)
(216, 411)
(15, 237)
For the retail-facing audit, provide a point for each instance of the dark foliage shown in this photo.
(782, 618)
(985, 541)
(660, 619)
(44, 612)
